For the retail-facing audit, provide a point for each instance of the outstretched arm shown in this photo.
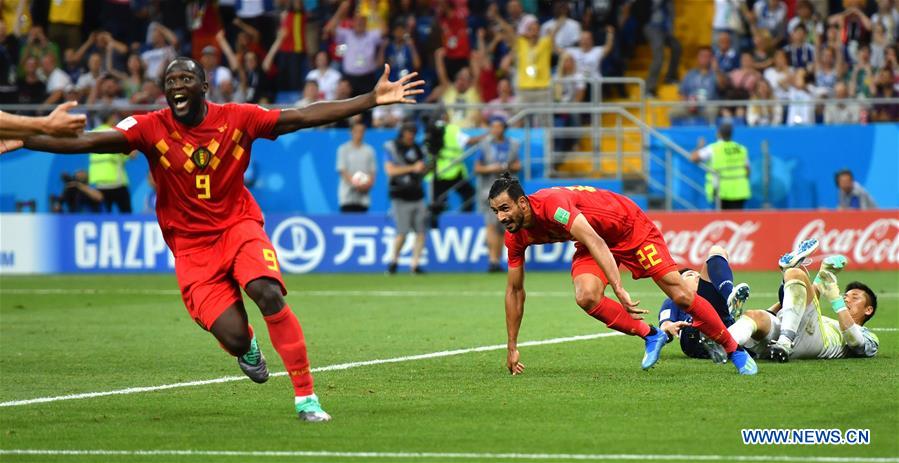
(326, 112)
(514, 313)
(106, 141)
(59, 123)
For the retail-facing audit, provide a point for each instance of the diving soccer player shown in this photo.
(608, 230)
(198, 152)
(715, 283)
(795, 327)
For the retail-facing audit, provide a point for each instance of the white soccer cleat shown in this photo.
(737, 299)
(797, 256)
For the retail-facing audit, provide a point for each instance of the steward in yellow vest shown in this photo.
(730, 161)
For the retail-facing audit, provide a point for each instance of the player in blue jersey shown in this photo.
(714, 282)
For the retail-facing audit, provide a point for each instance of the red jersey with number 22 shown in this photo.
(614, 217)
(199, 170)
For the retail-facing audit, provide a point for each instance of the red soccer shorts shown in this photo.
(647, 258)
(210, 279)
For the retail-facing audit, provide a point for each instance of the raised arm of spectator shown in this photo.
(227, 51)
(118, 46)
(82, 50)
(416, 59)
(273, 50)
(168, 35)
(443, 81)
(250, 30)
(109, 66)
(339, 15)
(610, 41)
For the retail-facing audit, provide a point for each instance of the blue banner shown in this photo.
(43, 243)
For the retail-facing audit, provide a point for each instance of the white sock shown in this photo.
(793, 307)
(742, 330)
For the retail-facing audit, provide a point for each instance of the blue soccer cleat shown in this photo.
(797, 256)
(654, 345)
(744, 363)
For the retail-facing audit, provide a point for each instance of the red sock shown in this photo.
(613, 314)
(287, 337)
(707, 321)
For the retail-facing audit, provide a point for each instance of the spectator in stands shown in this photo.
(879, 45)
(114, 52)
(728, 20)
(495, 108)
(356, 166)
(800, 111)
(569, 84)
(107, 93)
(161, 50)
(892, 62)
(514, 14)
(726, 90)
(844, 110)
(38, 46)
(888, 15)
(326, 76)
(825, 71)
(854, 25)
(219, 78)
(800, 53)
(106, 172)
(399, 52)
(483, 70)
(89, 78)
(885, 112)
(725, 55)
(390, 116)
(150, 93)
(9, 56)
(56, 79)
(133, 81)
(730, 161)
(770, 15)
(862, 75)
(360, 50)
(375, 12)
(565, 31)
(460, 91)
(763, 49)
(71, 65)
(532, 55)
(587, 57)
(311, 94)
(806, 16)
(65, 23)
(291, 56)
(497, 154)
(659, 32)
(698, 86)
(851, 194)
(30, 88)
(833, 39)
(768, 114)
(405, 167)
(249, 74)
(455, 50)
(745, 77)
(780, 75)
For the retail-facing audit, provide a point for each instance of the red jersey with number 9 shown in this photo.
(616, 219)
(199, 170)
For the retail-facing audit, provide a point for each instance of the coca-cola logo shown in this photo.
(692, 246)
(877, 243)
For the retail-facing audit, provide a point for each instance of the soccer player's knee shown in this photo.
(795, 274)
(587, 298)
(267, 295)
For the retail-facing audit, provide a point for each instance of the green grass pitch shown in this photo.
(73, 334)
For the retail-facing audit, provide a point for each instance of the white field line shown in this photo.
(338, 293)
(335, 367)
(447, 456)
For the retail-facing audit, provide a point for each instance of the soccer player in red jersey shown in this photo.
(198, 152)
(609, 230)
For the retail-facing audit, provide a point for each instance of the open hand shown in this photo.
(62, 124)
(673, 329)
(631, 306)
(387, 92)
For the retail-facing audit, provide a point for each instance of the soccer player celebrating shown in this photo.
(608, 230)
(198, 152)
(715, 283)
(794, 328)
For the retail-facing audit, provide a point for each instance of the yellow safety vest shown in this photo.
(729, 160)
(107, 169)
(451, 151)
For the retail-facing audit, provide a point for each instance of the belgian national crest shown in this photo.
(201, 157)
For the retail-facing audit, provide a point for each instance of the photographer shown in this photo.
(405, 166)
(77, 195)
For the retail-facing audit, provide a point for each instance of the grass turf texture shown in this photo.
(586, 397)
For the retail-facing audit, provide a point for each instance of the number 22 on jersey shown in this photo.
(647, 256)
(204, 187)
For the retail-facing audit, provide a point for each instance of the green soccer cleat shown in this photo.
(310, 410)
(253, 363)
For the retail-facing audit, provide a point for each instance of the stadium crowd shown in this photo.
(111, 52)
